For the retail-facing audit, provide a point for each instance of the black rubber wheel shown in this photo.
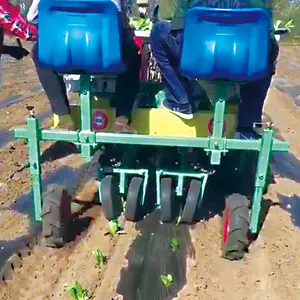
(191, 202)
(133, 206)
(168, 203)
(56, 216)
(110, 197)
(235, 240)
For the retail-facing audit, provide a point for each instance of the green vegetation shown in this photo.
(101, 259)
(285, 11)
(174, 244)
(290, 39)
(113, 227)
(142, 24)
(167, 280)
(288, 25)
(76, 291)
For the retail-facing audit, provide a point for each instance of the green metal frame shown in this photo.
(215, 145)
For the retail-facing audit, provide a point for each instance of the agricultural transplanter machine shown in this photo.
(173, 157)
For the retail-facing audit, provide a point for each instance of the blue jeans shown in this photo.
(127, 83)
(166, 48)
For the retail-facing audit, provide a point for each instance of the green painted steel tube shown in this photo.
(218, 126)
(86, 114)
(138, 139)
(35, 165)
(59, 135)
(260, 178)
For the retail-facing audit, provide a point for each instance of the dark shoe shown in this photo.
(182, 112)
(16, 52)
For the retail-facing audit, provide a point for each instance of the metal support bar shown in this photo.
(217, 145)
(139, 139)
(86, 118)
(59, 135)
(260, 178)
(35, 164)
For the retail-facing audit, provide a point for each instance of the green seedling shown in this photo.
(288, 25)
(174, 244)
(141, 24)
(167, 280)
(113, 227)
(76, 291)
(277, 24)
(101, 259)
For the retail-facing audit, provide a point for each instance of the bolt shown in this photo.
(261, 177)
(30, 109)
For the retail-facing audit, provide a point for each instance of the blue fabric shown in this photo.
(228, 44)
(79, 36)
(166, 50)
(253, 95)
(165, 46)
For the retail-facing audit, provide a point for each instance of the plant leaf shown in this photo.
(100, 257)
(79, 290)
(76, 291)
(113, 227)
(277, 24)
(289, 23)
(174, 244)
(167, 280)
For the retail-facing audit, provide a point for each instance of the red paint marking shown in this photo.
(99, 120)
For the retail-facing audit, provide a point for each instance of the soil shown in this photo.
(138, 257)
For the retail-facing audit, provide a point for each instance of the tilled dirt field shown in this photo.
(138, 257)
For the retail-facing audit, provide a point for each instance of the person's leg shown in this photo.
(166, 48)
(127, 85)
(55, 89)
(253, 94)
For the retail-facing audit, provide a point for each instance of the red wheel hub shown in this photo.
(226, 225)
